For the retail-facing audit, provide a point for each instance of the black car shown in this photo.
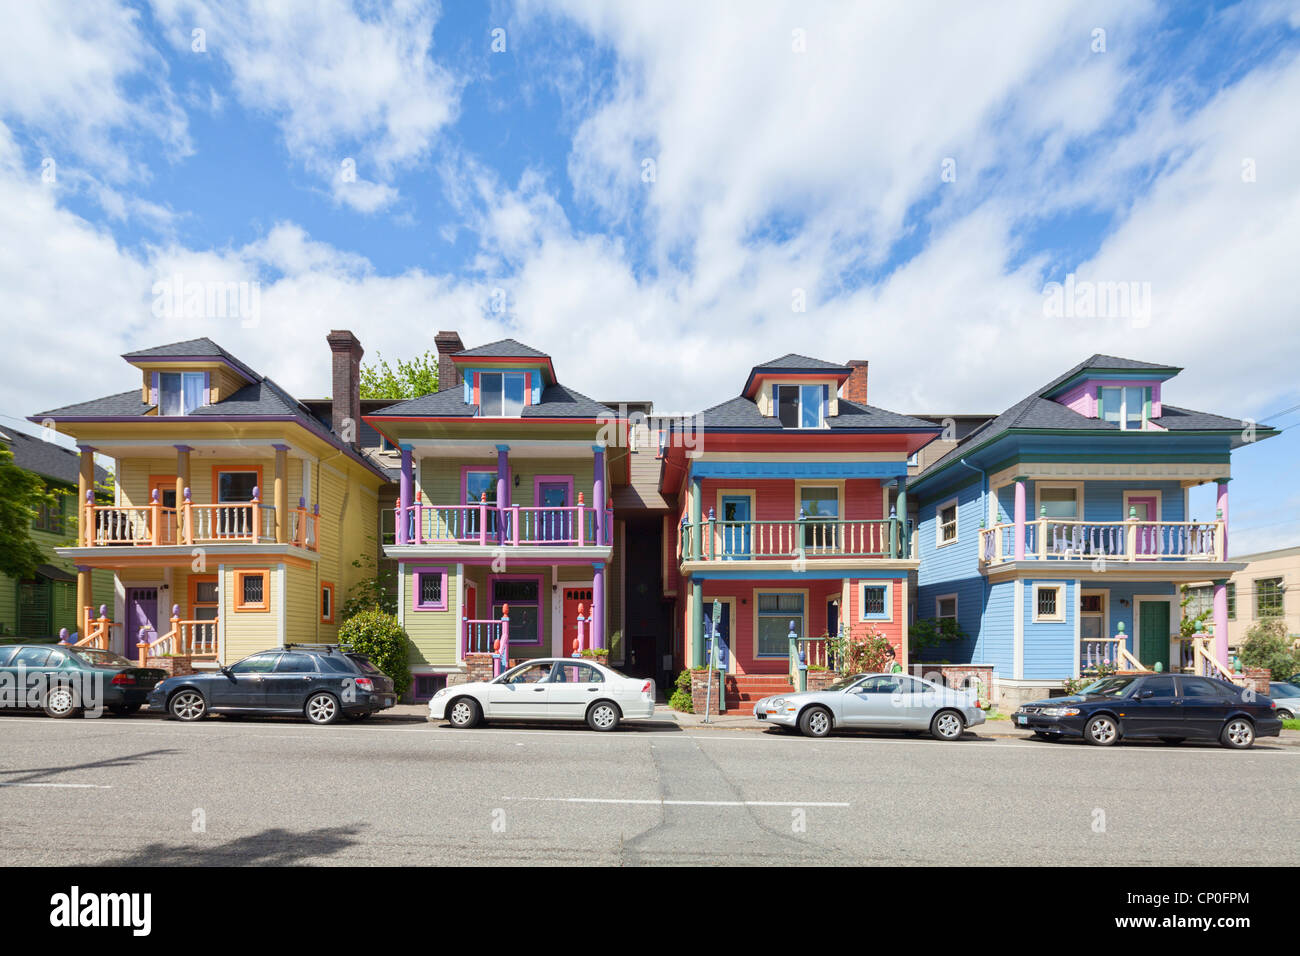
(64, 680)
(320, 682)
(1168, 707)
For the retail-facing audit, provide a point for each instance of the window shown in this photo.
(1091, 604)
(566, 673)
(879, 685)
(501, 394)
(523, 597)
(31, 657)
(530, 674)
(1268, 597)
(326, 603)
(430, 589)
(257, 664)
(251, 591)
(1157, 687)
(820, 507)
(1049, 603)
(945, 606)
(1232, 601)
(237, 486)
(801, 406)
(876, 602)
(51, 517)
(776, 612)
(180, 393)
(480, 483)
(296, 663)
(205, 599)
(426, 685)
(1128, 407)
(945, 525)
(1062, 504)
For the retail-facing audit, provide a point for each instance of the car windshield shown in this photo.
(1109, 687)
(844, 684)
(1283, 689)
(97, 658)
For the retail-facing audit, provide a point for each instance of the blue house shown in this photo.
(1058, 534)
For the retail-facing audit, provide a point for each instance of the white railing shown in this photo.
(1050, 539)
(195, 638)
(809, 538)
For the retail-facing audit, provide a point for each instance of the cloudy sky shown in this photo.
(663, 194)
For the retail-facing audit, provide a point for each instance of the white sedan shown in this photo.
(549, 688)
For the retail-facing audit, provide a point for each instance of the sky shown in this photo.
(661, 195)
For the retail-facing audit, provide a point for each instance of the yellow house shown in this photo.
(241, 519)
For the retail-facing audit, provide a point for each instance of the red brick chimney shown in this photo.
(346, 406)
(447, 344)
(855, 386)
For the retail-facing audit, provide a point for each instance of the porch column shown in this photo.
(503, 489)
(598, 490)
(1020, 518)
(598, 604)
(697, 622)
(1221, 621)
(1223, 516)
(697, 528)
(280, 493)
(904, 546)
(405, 488)
(85, 594)
(182, 483)
(85, 498)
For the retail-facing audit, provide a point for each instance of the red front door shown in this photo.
(575, 598)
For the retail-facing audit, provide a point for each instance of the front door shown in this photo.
(574, 600)
(554, 525)
(736, 529)
(1153, 633)
(142, 620)
(723, 646)
(1148, 536)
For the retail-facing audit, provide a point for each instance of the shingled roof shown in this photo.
(200, 348)
(741, 412)
(557, 402)
(45, 458)
(502, 348)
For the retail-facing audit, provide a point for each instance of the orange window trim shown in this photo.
(240, 606)
(216, 480)
(162, 483)
(327, 586)
(195, 581)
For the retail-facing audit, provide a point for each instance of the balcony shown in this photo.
(1130, 542)
(808, 539)
(484, 525)
(152, 525)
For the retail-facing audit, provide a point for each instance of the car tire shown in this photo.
(1101, 731)
(603, 715)
(1238, 734)
(1284, 714)
(815, 722)
(61, 701)
(322, 708)
(187, 706)
(464, 712)
(1172, 741)
(947, 725)
(124, 710)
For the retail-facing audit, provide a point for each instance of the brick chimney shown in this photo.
(855, 386)
(346, 407)
(447, 344)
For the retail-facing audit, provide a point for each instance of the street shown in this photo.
(145, 791)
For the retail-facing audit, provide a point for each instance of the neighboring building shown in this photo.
(1066, 517)
(505, 500)
(40, 606)
(1267, 587)
(234, 503)
(785, 517)
(956, 429)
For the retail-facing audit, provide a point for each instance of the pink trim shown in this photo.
(418, 570)
(464, 478)
(542, 604)
(1083, 398)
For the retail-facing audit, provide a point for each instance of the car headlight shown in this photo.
(778, 703)
(440, 692)
(1060, 712)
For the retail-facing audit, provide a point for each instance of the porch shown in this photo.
(802, 538)
(155, 525)
(1128, 541)
(195, 638)
(486, 524)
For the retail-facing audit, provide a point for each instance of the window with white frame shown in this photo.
(1127, 406)
(945, 524)
(1049, 602)
(801, 406)
(501, 394)
(875, 601)
(945, 606)
(180, 393)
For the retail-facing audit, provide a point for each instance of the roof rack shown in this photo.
(329, 648)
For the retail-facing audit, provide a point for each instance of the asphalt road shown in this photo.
(141, 791)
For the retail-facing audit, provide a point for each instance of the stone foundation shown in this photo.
(478, 667)
(177, 666)
(976, 677)
(1256, 678)
(820, 680)
(700, 691)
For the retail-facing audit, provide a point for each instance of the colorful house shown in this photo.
(46, 603)
(789, 497)
(504, 510)
(238, 514)
(1057, 534)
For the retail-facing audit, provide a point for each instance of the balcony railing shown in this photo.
(153, 525)
(487, 524)
(807, 538)
(197, 638)
(1049, 539)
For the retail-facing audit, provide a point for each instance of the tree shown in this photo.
(22, 495)
(378, 636)
(411, 379)
(1268, 645)
(1187, 626)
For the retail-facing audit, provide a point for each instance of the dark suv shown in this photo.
(320, 682)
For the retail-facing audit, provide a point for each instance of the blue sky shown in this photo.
(650, 188)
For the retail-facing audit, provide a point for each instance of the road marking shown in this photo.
(67, 786)
(683, 803)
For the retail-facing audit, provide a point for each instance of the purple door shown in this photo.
(141, 612)
(554, 525)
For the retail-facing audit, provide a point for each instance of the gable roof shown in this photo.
(803, 362)
(45, 458)
(557, 401)
(502, 348)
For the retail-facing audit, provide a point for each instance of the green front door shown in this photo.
(1153, 633)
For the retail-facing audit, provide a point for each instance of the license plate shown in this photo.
(1022, 721)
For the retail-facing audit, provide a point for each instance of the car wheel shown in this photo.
(815, 722)
(1102, 731)
(463, 712)
(1172, 741)
(1284, 714)
(947, 725)
(602, 715)
(61, 701)
(322, 708)
(1238, 734)
(125, 710)
(187, 705)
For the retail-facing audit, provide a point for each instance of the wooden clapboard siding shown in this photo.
(434, 634)
(248, 632)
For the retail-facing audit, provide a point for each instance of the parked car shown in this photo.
(73, 680)
(548, 688)
(1168, 707)
(874, 701)
(320, 682)
(1286, 694)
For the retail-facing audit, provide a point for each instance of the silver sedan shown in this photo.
(870, 701)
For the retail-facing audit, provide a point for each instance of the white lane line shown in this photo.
(66, 786)
(683, 803)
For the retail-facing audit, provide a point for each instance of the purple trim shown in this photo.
(597, 605)
(539, 480)
(245, 373)
(416, 572)
(541, 605)
(155, 396)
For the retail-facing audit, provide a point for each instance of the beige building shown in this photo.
(1269, 586)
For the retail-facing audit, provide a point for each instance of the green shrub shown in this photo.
(379, 636)
(932, 632)
(1268, 645)
(681, 697)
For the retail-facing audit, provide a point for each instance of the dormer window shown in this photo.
(1129, 407)
(180, 393)
(501, 394)
(801, 406)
